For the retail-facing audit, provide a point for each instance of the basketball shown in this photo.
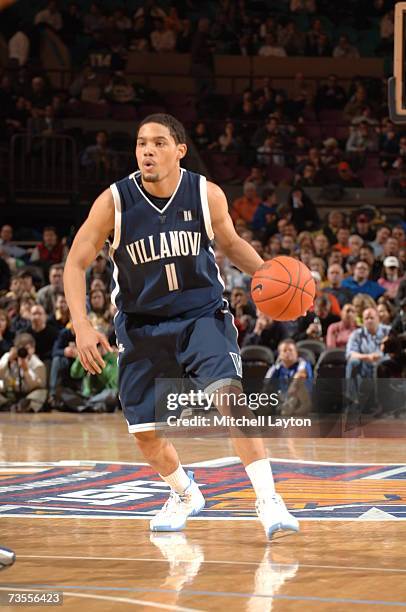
(283, 288)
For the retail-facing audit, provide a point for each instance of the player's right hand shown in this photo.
(87, 339)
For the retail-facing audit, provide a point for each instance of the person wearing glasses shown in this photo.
(359, 282)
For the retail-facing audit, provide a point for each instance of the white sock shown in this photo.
(178, 480)
(260, 474)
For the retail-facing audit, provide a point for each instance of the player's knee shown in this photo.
(144, 436)
(147, 440)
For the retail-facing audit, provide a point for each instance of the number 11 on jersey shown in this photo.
(171, 276)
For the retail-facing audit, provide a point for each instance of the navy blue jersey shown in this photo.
(163, 259)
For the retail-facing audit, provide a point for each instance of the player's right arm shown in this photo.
(87, 243)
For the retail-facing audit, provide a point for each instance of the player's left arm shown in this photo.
(238, 250)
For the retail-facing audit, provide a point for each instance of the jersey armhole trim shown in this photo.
(117, 216)
(205, 207)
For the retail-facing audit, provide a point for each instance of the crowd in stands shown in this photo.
(268, 28)
(284, 135)
(358, 265)
(39, 364)
(320, 137)
(309, 134)
(329, 135)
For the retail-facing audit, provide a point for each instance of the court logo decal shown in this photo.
(312, 491)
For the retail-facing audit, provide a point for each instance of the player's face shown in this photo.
(157, 153)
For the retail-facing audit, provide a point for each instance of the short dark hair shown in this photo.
(287, 341)
(363, 262)
(57, 266)
(24, 274)
(176, 129)
(322, 300)
(23, 339)
(368, 247)
(267, 193)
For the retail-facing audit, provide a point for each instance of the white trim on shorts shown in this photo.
(144, 427)
(223, 382)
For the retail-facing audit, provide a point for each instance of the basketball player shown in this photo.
(172, 319)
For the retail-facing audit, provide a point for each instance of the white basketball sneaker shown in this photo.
(7, 557)
(176, 510)
(274, 515)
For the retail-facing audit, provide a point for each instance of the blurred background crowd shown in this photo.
(326, 133)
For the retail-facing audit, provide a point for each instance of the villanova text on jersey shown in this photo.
(163, 258)
(166, 245)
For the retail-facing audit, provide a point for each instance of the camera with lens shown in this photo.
(22, 352)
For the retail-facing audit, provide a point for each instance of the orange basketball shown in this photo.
(283, 288)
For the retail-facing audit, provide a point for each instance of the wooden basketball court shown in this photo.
(220, 562)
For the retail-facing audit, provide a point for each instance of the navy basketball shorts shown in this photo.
(204, 349)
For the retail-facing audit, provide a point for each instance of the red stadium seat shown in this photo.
(312, 131)
(373, 178)
(124, 112)
(331, 116)
(93, 110)
(280, 174)
(149, 109)
(223, 166)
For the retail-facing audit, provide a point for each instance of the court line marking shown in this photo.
(150, 604)
(226, 460)
(221, 462)
(375, 602)
(385, 475)
(128, 440)
(209, 561)
(197, 518)
(142, 602)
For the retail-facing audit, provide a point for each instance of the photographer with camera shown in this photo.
(22, 377)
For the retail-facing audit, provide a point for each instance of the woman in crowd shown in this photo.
(391, 276)
(61, 316)
(386, 311)
(338, 333)
(228, 140)
(361, 302)
(6, 336)
(305, 239)
(317, 264)
(22, 321)
(99, 314)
